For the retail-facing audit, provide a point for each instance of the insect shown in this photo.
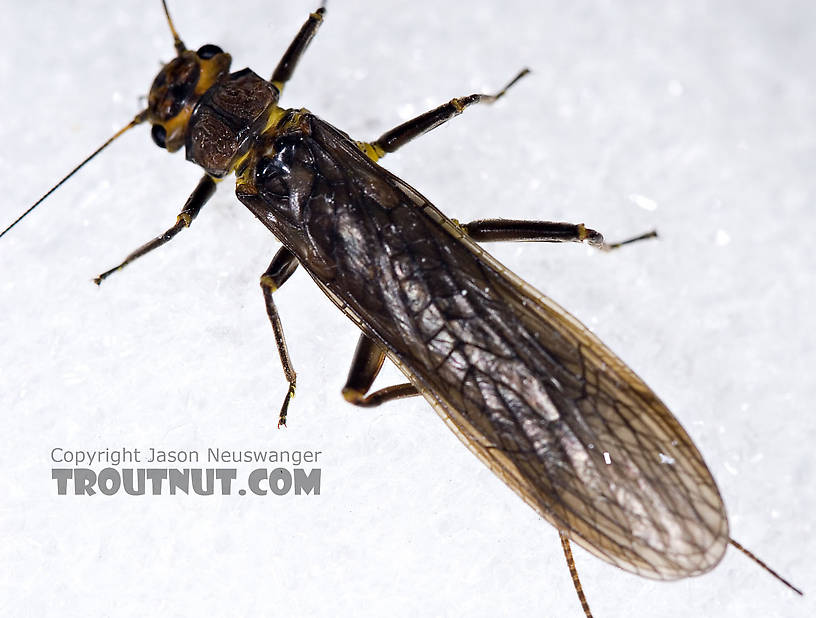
(525, 386)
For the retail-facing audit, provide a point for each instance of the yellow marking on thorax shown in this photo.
(276, 113)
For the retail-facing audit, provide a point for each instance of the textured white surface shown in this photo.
(696, 118)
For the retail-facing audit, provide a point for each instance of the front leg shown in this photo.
(288, 63)
(280, 269)
(202, 193)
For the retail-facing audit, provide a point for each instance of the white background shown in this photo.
(706, 109)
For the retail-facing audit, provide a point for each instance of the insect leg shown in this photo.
(286, 66)
(404, 133)
(366, 364)
(280, 269)
(202, 193)
(487, 230)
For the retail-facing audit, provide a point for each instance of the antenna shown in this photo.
(140, 118)
(176, 38)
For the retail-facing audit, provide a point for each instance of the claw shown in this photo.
(285, 407)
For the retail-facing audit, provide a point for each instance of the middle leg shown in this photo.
(280, 269)
(397, 137)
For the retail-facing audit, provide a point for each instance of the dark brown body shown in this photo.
(524, 385)
(538, 398)
(227, 120)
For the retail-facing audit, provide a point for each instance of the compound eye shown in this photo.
(208, 51)
(159, 135)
